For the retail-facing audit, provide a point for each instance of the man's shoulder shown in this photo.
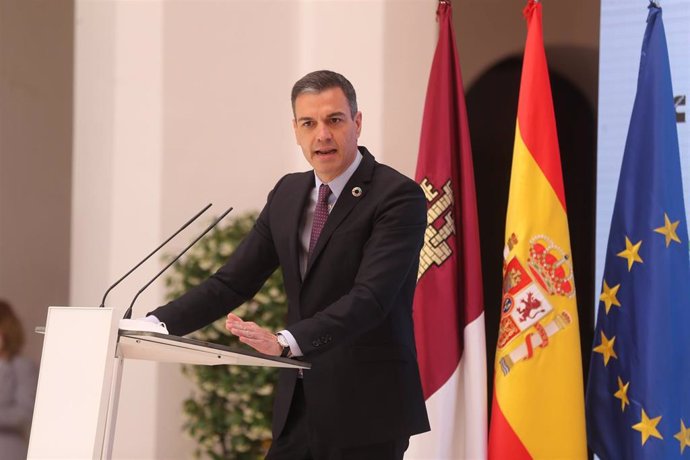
(294, 179)
(389, 180)
(387, 174)
(383, 171)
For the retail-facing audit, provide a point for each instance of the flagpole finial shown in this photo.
(444, 2)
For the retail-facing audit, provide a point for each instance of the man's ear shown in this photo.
(358, 123)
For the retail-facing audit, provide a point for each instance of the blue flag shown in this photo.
(638, 393)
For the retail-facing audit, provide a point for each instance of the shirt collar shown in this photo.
(338, 184)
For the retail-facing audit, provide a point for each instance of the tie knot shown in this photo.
(324, 193)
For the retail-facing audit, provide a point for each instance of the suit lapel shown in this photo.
(294, 211)
(347, 200)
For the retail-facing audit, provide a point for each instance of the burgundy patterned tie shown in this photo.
(320, 215)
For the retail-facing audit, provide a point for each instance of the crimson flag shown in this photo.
(448, 303)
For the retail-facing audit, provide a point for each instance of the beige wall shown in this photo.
(35, 158)
(228, 71)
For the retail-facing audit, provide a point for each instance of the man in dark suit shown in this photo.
(347, 236)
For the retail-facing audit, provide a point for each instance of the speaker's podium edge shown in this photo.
(79, 378)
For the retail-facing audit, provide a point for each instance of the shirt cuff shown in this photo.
(294, 348)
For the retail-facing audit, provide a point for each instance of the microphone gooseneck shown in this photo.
(128, 313)
(196, 216)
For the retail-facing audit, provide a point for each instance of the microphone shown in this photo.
(153, 252)
(128, 313)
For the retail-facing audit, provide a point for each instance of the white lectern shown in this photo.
(79, 378)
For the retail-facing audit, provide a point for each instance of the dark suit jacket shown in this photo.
(351, 314)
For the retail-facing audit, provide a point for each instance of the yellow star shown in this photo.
(622, 394)
(669, 230)
(647, 427)
(683, 436)
(631, 252)
(608, 296)
(606, 348)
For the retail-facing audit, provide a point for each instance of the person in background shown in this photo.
(18, 377)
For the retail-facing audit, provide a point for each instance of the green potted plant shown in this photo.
(229, 411)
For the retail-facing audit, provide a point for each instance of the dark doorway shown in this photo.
(492, 110)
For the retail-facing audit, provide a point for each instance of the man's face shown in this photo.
(326, 131)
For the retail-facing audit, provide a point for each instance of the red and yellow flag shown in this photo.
(538, 403)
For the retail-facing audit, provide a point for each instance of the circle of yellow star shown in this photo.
(622, 393)
(608, 296)
(606, 348)
(669, 230)
(683, 436)
(631, 252)
(647, 427)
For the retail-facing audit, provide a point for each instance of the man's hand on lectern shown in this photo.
(260, 339)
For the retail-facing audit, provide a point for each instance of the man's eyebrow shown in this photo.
(330, 115)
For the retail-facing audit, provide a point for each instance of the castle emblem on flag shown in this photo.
(525, 305)
(440, 226)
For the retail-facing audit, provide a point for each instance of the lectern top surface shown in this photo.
(163, 347)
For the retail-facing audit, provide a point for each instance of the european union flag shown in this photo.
(638, 393)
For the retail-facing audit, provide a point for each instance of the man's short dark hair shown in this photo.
(321, 80)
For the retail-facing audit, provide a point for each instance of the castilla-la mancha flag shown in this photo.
(538, 401)
(448, 303)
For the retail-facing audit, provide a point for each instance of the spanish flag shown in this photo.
(538, 401)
